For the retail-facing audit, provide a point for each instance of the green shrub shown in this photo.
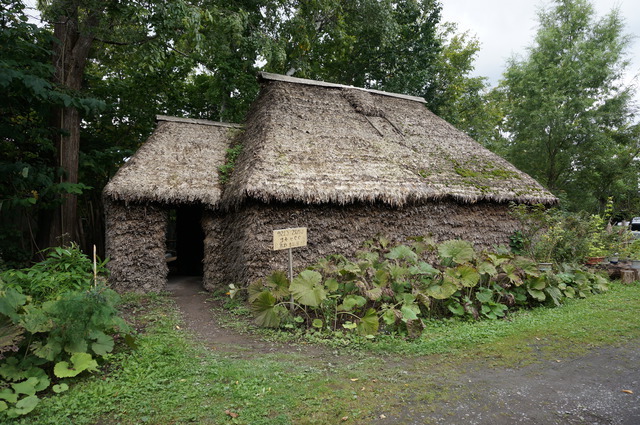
(51, 333)
(552, 235)
(393, 288)
(64, 269)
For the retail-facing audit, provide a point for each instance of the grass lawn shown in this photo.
(172, 378)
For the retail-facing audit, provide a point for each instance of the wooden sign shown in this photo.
(289, 238)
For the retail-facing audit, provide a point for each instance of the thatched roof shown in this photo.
(177, 164)
(315, 142)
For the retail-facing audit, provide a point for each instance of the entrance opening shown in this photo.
(185, 241)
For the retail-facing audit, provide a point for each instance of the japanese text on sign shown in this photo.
(289, 238)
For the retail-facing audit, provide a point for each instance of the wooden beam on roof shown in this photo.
(197, 121)
(295, 80)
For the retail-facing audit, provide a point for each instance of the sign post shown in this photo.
(288, 239)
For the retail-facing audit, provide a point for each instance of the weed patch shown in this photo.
(171, 378)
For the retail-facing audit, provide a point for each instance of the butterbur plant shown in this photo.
(65, 336)
(46, 339)
(393, 288)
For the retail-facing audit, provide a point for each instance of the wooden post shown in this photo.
(95, 268)
(291, 277)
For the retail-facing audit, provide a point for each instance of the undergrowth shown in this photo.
(398, 290)
(173, 378)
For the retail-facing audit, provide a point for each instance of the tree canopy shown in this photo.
(567, 115)
(560, 113)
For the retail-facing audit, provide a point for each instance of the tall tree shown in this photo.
(389, 45)
(29, 184)
(78, 27)
(568, 117)
(458, 97)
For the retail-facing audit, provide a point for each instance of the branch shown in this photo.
(183, 54)
(122, 43)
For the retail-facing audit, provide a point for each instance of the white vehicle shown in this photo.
(635, 227)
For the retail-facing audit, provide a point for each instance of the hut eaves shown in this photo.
(177, 164)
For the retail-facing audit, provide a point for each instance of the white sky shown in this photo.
(508, 27)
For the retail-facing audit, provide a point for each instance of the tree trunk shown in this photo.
(69, 59)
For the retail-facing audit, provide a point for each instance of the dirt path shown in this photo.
(602, 387)
(202, 318)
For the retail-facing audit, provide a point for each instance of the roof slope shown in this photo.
(178, 163)
(316, 142)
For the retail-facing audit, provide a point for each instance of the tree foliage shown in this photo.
(29, 175)
(458, 97)
(380, 44)
(567, 114)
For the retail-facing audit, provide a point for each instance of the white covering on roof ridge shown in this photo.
(296, 80)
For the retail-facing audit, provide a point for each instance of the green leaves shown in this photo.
(10, 302)
(462, 276)
(369, 324)
(60, 331)
(103, 343)
(397, 288)
(351, 301)
(263, 307)
(23, 406)
(79, 363)
(441, 290)
(402, 252)
(456, 250)
(307, 289)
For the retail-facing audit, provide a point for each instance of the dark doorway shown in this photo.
(188, 240)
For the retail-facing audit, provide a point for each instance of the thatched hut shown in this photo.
(160, 192)
(349, 164)
(346, 163)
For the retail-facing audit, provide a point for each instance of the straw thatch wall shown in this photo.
(243, 252)
(136, 246)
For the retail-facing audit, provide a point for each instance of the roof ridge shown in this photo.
(197, 121)
(287, 79)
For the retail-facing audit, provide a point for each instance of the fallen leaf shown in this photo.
(382, 416)
(627, 391)
(230, 413)
(362, 389)
(354, 379)
(374, 380)
(344, 418)
(177, 327)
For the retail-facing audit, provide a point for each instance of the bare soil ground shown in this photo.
(601, 387)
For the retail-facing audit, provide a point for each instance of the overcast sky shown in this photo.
(508, 27)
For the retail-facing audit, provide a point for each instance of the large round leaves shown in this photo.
(307, 288)
(456, 250)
